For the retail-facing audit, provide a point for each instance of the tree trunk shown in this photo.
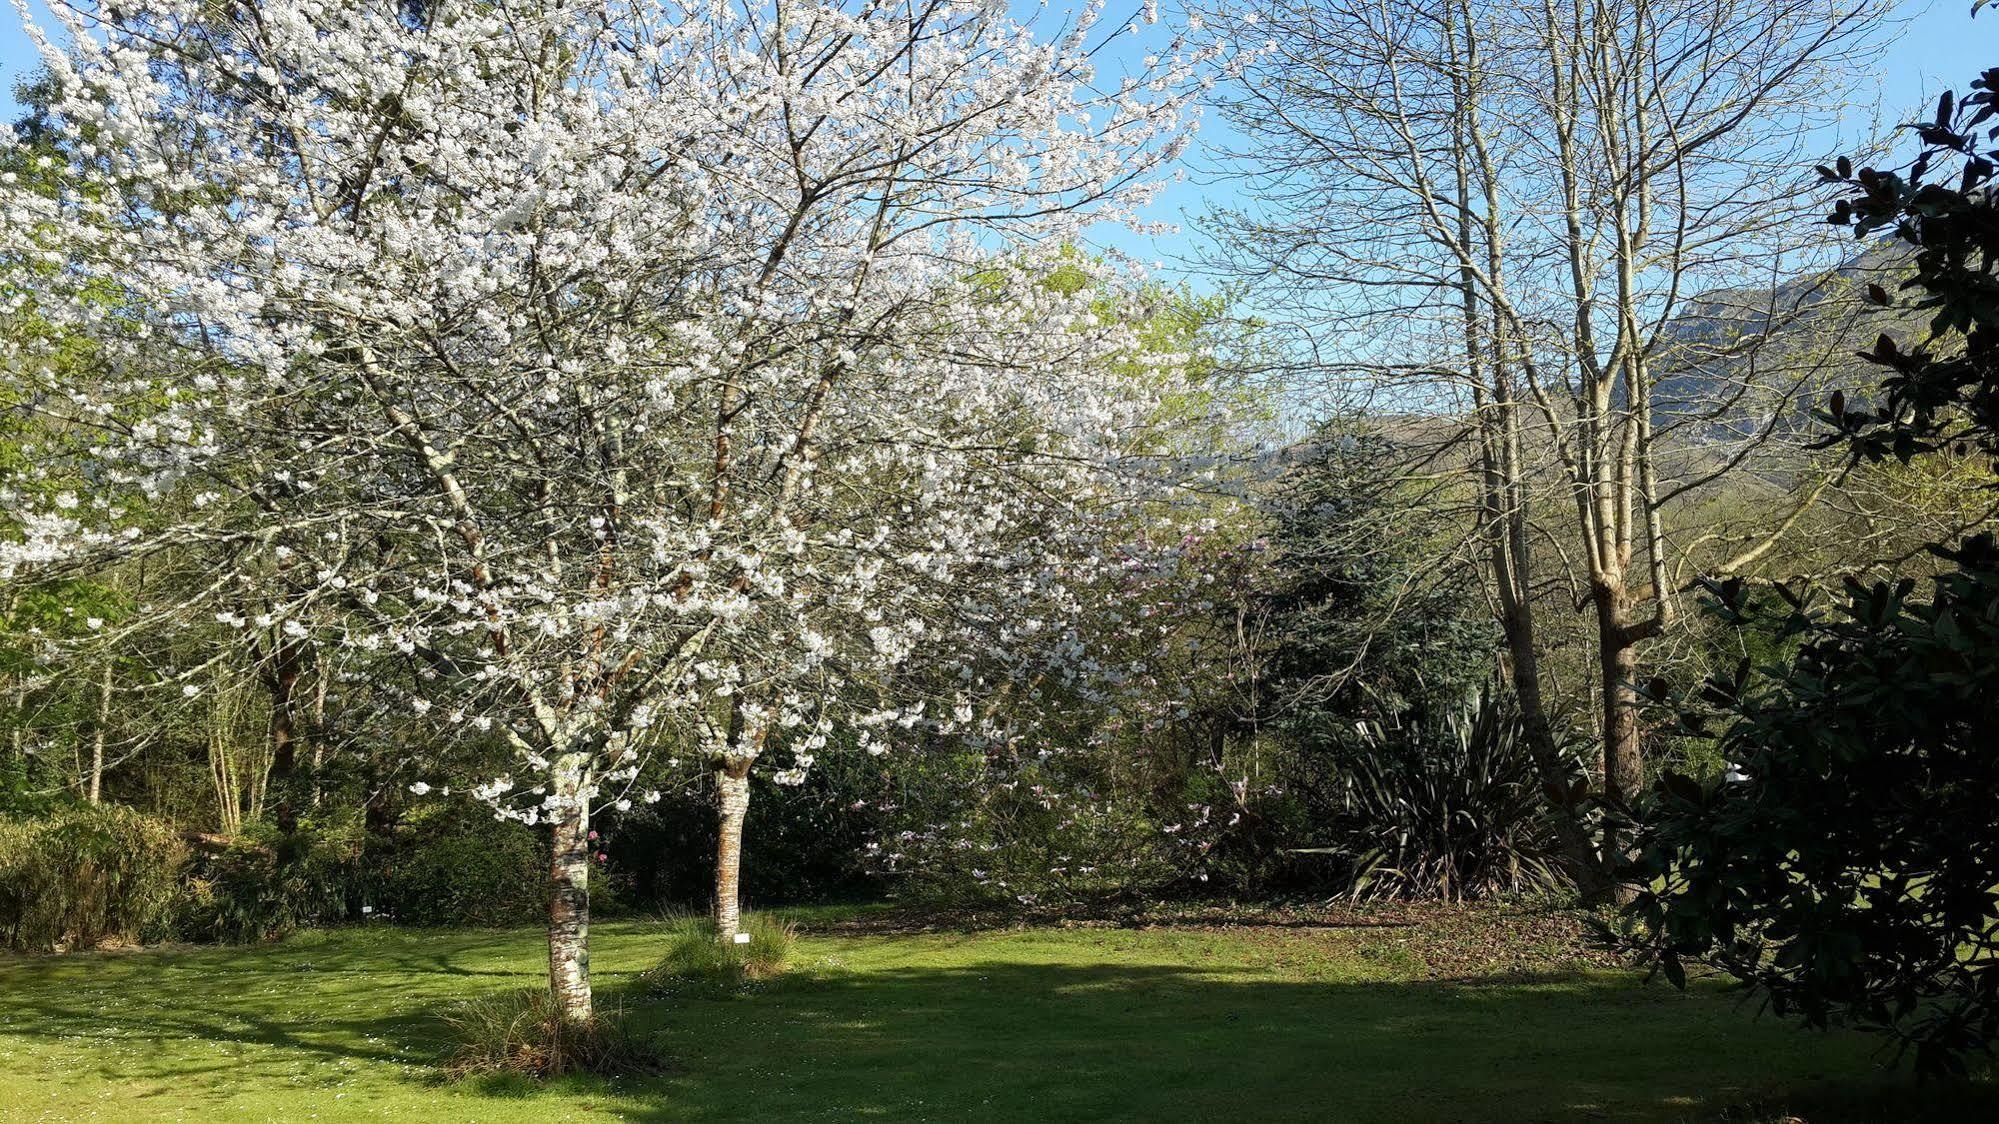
(1623, 753)
(1580, 858)
(98, 736)
(284, 729)
(569, 903)
(1512, 567)
(282, 681)
(732, 782)
(1624, 762)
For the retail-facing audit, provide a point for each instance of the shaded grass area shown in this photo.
(1347, 1021)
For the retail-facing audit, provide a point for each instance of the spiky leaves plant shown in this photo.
(1450, 808)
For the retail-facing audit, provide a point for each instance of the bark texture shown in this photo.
(281, 679)
(732, 782)
(1623, 745)
(569, 908)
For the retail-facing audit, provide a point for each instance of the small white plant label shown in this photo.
(742, 938)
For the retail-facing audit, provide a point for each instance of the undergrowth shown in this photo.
(520, 1032)
(693, 955)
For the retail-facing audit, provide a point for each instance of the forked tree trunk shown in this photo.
(732, 781)
(569, 904)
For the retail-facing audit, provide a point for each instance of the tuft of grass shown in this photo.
(517, 1034)
(693, 955)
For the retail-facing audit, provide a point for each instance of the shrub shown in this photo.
(1451, 809)
(1849, 870)
(448, 864)
(82, 876)
(520, 1032)
(1006, 833)
(455, 864)
(806, 839)
(1362, 622)
(266, 883)
(694, 955)
(75, 876)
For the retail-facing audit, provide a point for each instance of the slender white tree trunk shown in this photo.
(98, 735)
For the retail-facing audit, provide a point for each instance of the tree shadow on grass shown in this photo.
(991, 1040)
(213, 1021)
(1011, 1041)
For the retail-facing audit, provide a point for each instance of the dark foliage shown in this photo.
(1945, 391)
(1848, 868)
(810, 842)
(1379, 647)
(265, 883)
(453, 863)
(446, 863)
(1369, 618)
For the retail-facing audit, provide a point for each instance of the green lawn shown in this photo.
(1355, 1022)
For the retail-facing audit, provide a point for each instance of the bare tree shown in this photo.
(1589, 231)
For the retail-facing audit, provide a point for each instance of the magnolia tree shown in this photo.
(635, 371)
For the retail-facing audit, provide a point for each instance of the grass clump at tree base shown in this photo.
(521, 1032)
(694, 955)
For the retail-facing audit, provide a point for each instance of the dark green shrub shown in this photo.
(448, 863)
(266, 883)
(453, 863)
(1370, 616)
(693, 955)
(1848, 869)
(81, 876)
(1035, 835)
(1374, 636)
(1453, 809)
(807, 841)
(520, 1032)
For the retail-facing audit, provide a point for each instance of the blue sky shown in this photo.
(1941, 47)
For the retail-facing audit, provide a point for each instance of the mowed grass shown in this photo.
(1360, 1022)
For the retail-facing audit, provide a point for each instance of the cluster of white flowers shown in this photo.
(642, 372)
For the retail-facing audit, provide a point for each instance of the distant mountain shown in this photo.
(1744, 361)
